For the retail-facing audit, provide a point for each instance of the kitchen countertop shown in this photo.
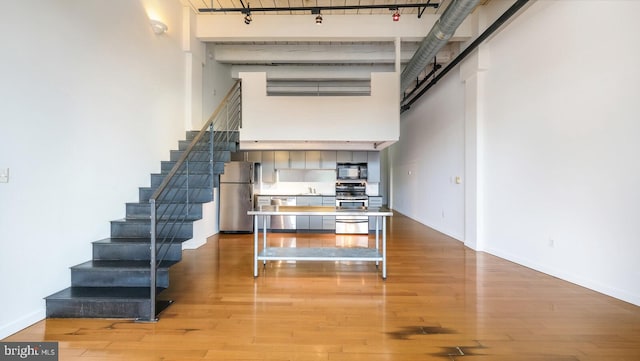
(275, 210)
(300, 195)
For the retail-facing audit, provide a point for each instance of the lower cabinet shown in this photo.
(263, 201)
(304, 223)
(329, 222)
(373, 203)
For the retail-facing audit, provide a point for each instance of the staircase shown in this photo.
(118, 281)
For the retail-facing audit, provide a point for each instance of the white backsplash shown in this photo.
(296, 188)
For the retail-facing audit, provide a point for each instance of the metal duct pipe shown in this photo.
(439, 35)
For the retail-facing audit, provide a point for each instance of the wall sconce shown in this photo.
(159, 27)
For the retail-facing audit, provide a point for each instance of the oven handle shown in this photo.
(352, 221)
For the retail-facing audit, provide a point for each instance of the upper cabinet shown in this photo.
(299, 159)
(347, 156)
(268, 167)
(271, 161)
(328, 159)
(373, 167)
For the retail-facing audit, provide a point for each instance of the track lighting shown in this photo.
(316, 11)
(247, 19)
(396, 15)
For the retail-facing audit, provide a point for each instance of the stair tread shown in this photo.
(118, 265)
(146, 220)
(130, 240)
(111, 293)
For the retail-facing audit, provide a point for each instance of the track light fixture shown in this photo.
(247, 13)
(316, 9)
(396, 15)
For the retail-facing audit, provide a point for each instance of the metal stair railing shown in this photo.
(171, 203)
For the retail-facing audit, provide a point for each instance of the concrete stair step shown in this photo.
(118, 273)
(103, 302)
(135, 249)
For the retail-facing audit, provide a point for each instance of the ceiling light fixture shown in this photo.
(247, 13)
(396, 15)
(316, 11)
(158, 27)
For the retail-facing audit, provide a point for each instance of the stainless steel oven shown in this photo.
(352, 195)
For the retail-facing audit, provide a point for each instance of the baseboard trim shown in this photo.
(22, 323)
(565, 276)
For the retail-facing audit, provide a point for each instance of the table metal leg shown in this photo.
(255, 246)
(377, 236)
(264, 238)
(384, 248)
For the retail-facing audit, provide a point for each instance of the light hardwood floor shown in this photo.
(441, 301)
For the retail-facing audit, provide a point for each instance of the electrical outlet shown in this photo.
(4, 175)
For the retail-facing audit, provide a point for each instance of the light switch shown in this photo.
(4, 175)
(458, 180)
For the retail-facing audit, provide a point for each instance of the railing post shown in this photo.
(187, 175)
(152, 274)
(211, 150)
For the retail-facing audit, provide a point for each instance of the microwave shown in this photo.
(352, 171)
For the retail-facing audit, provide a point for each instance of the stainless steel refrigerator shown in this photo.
(236, 197)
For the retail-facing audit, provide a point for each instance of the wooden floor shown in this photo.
(441, 301)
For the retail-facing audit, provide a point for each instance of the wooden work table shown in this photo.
(377, 254)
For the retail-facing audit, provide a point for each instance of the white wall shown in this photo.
(320, 118)
(428, 157)
(216, 83)
(92, 101)
(559, 143)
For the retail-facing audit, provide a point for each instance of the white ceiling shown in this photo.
(312, 59)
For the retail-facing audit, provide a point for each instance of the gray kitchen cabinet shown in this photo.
(344, 156)
(328, 159)
(268, 167)
(373, 203)
(281, 159)
(297, 159)
(359, 157)
(263, 201)
(313, 159)
(329, 222)
(308, 222)
(373, 167)
(347, 156)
